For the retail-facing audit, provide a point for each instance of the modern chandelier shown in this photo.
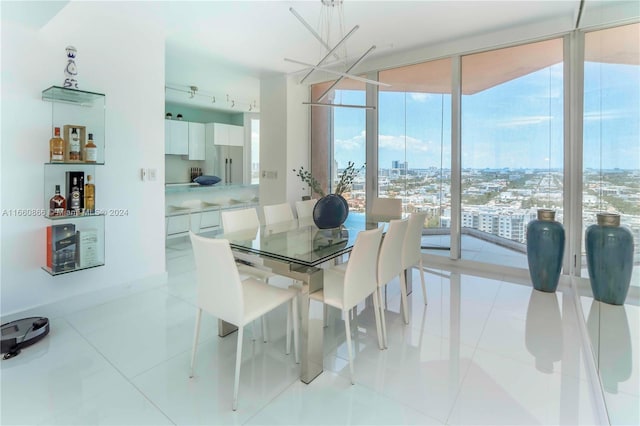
(331, 24)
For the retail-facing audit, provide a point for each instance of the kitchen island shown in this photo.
(195, 207)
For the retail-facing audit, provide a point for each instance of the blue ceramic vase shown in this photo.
(609, 259)
(545, 248)
(330, 211)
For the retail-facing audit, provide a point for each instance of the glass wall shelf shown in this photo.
(72, 96)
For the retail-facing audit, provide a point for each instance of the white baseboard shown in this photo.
(72, 304)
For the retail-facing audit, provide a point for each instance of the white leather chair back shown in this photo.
(238, 220)
(360, 278)
(277, 213)
(219, 289)
(305, 208)
(384, 209)
(390, 257)
(411, 249)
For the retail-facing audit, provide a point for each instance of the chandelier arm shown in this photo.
(312, 31)
(339, 105)
(331, 52)
(335, 83)
(343, 74)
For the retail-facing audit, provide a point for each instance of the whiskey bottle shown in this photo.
(56, 147)
(57, 204)
(89, 196)
(90, 150)
(74, 202)
(74, 145)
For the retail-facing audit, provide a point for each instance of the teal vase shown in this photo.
(545, 248)
(609, 259)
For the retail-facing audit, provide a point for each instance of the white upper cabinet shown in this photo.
(196, 141)
(176, 137)
(227, 134)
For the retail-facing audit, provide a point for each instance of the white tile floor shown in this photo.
(484, 351)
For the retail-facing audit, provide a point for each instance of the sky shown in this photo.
(517, 124)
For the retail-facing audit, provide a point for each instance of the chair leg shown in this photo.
(424, 287)
(403, 295)
(236, 380)
(296, 328)
(377, 311)
(383, 320)
(288, 343)
(196, 334)
(347, 329)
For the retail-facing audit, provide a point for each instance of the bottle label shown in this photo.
(74, 145)
(91, 154)
(57, 157)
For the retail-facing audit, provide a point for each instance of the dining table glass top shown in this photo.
(299, 241)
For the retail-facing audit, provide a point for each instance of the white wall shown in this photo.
(121, 55)
(298, 137)
(273, 138)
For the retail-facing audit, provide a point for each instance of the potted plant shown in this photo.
(331, 210)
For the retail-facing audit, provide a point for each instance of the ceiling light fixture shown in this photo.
(194, 92)
(327, 23)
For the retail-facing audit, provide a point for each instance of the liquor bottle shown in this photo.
(57, 204)
(89, 196)
(56, 147)
(90, 150)
(74, 202)
(74, 145)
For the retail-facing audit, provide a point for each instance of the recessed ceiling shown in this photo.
(252, 38)
(223, 47)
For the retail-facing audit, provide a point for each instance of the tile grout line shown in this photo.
(475, 349)
(120, 372)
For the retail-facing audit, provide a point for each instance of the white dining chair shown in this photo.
(385, 209)
(277, 213)
(345, 289)
(221, 293)
(411, 250)
(304, 208)
(390, 267)
(246, 222)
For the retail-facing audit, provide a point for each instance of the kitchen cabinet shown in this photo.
(228, 134)
(176, 137)
(196, 141)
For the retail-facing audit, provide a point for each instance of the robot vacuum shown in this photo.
(21, 333)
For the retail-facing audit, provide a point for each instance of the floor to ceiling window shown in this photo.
(512, 146)
(414, 140)
(611, 131)
(339, 137)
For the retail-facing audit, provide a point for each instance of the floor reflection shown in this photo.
(543, 335)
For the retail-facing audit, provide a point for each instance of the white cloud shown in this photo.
(419, 97)
(524, 121)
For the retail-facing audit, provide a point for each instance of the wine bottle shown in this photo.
(57, 204)
(56, 147)
(89, 196)
(74, 203)
(74, 145)
(90, 150)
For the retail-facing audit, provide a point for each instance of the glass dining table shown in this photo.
(297, 249)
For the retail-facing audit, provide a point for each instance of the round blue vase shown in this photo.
(330, 211)
(609, 259)
(545, 248)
